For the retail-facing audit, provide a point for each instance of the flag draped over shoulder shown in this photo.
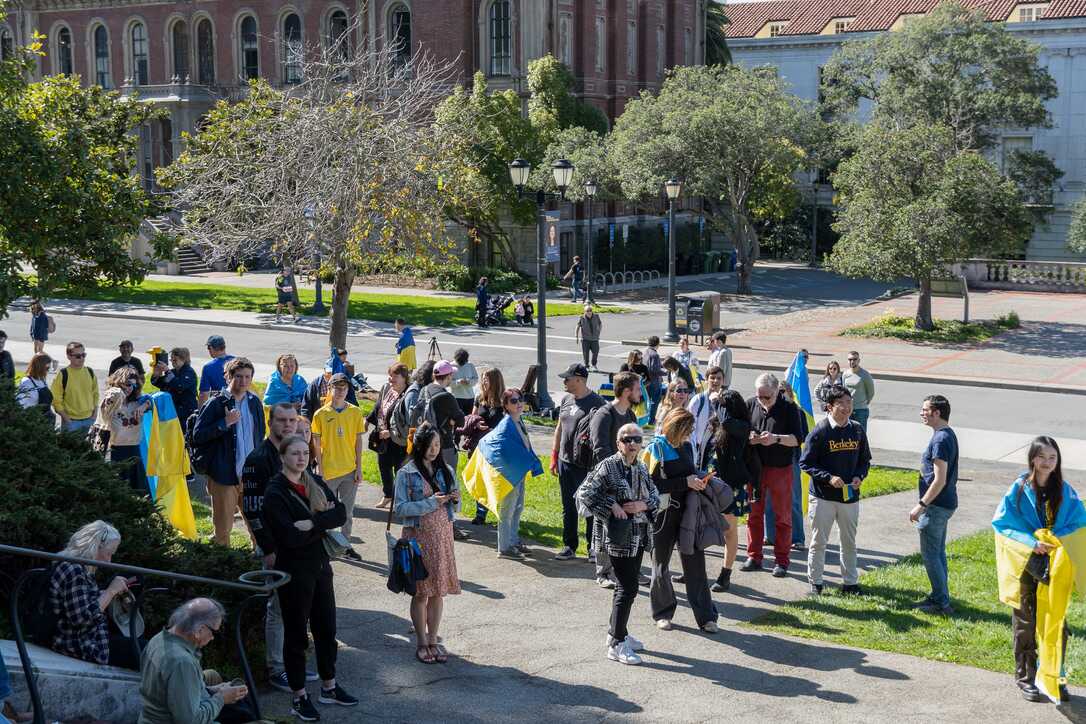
(658, 452)
(405, 349)
(796, 377)
(500, 462)
(167, 464)
(1018, 529)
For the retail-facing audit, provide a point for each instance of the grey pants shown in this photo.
(273, 636)
(345, 490)
(661, 590)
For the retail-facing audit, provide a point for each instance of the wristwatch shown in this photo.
(922, 504)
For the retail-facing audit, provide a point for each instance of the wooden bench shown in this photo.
(956, 288)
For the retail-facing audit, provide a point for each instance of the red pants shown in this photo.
(776, 483)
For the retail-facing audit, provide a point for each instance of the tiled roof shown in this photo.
(810, 17)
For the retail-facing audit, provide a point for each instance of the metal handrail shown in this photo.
(272, 581)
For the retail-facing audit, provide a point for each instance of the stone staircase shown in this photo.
(73, 689)
(190, 261)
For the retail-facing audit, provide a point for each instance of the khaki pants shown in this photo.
(345, 490)
(823, 514)
(224, 502)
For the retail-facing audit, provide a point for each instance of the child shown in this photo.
(523, 311)
(405, 345)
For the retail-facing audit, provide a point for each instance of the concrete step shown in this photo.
(72, 689)
(191, 262)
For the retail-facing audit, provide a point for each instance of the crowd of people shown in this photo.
(674, 457)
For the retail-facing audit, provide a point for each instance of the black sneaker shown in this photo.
(279, 681)
(751, 565)
(816, 589)
(303, 709)
(1030, 692)
(352, 555)
(681, 578)
(779, 571)
(337, 695)
(723, 581)
(1065, 694)
(853, 590)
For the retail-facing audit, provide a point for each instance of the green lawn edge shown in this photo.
(947, 331)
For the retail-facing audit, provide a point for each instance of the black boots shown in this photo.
(723, 581)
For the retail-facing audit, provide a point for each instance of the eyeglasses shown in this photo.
(853, 359)
(630, 440)
(78, 355)
(765, 397)
(213, 630)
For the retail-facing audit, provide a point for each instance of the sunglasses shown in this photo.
(766, 397)
(79, 355)
(853, 359)
(682, 391)
(516, 400)
(630, 440)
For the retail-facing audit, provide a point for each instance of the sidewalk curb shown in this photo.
(193, 320)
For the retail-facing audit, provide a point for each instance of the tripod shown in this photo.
(433, 350)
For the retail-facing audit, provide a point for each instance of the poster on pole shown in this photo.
(552, 249)
(611, 234)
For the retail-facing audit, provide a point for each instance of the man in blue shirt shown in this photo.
(212, 378)
(938, 500)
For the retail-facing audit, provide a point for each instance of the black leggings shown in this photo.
(627, 576)
(388, 463)
(308, 599)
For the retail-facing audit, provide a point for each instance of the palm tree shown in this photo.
(716, 44)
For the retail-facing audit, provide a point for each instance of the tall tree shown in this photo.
(716, 39)
(735, 136)
(69, 200)
(352, 144)
(911, 203)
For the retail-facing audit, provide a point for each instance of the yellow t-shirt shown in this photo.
(338, 432)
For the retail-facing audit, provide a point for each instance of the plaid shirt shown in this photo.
(607, 485)
(81, 626)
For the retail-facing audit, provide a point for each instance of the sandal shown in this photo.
(442, 654)
(428, 658)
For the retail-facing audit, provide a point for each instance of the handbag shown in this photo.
(1037, 566)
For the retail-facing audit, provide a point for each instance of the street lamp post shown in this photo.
(590, 194)
(673, 188)
(311, 220)
(519, 170)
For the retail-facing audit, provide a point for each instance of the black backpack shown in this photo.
(582, 439)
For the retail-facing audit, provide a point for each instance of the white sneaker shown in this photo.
(710, 627)
(621, 653)
(605, 582)
(663, 624)
(634, 644)
(565, 554)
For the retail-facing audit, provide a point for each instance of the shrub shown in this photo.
(459, 278)
(54, 483)
(1009, 320)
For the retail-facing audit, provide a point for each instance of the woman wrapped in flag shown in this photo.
(1040, 542)
(497, 472)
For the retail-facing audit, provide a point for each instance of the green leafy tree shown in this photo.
(736, 136)
(911, 204)
(69, 200)
(1076, 235)
(716, 40)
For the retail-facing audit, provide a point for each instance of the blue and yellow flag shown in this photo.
(1018, 529)
(796, 377)
(658, 452)
(501, 461)
(167, 464)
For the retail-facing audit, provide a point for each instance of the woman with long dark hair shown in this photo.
(426, 499)
(1040, 539)
(732, 463)
(299, 509)
(390, 450)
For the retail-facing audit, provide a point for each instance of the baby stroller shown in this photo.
(495, 308)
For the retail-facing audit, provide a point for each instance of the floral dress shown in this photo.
(435, 536)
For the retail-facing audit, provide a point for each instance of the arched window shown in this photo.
(499, 38)
(205, 53)
(338, 36)
(180, 39)
(64, 51)
(101, 57)
(399, 33)
(7, 43)
(292, 49)
(250, 51)
(139, 54)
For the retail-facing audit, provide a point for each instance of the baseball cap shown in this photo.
(216, 341)
(339, 377)
(444, 367)
(575, 370)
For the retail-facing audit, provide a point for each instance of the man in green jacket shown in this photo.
(172, 680)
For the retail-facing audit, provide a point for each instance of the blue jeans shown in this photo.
(797, 510)
(78, 425)
(933, 551)
(575, 290)
(861, 417)
(5, 683)
(656, 391)
(510, 508)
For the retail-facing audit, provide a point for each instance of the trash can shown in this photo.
(699, 313)
(682, 309)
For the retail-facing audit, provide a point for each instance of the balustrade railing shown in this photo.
(1015, 274)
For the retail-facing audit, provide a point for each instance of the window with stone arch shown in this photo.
(205, 52)
(179, 41)
(102, 75)
(292, 49)
(399, 32)
(500, 38)
(339, 37)
(249, 49)
(138, 37)
(64, 64)
(7, 43)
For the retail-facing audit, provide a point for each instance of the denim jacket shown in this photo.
(411, 500)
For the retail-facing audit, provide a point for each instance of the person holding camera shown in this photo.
(622, 498)
(179, 379)
(172, 684)
(425, 502)
(121, 413)
(299, 511)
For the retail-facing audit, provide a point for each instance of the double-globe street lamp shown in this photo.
(311, 220)
(673, 187)
(519, 170)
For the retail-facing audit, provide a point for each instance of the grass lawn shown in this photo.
(205, 527)
(946, 330)
(417, 309)
(883, 481)
(978, 635)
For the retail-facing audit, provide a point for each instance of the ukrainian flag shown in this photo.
(1018, 529)
(167, 464)
(501, 461)
(658, 452)
(405, 349)
(796, 377)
